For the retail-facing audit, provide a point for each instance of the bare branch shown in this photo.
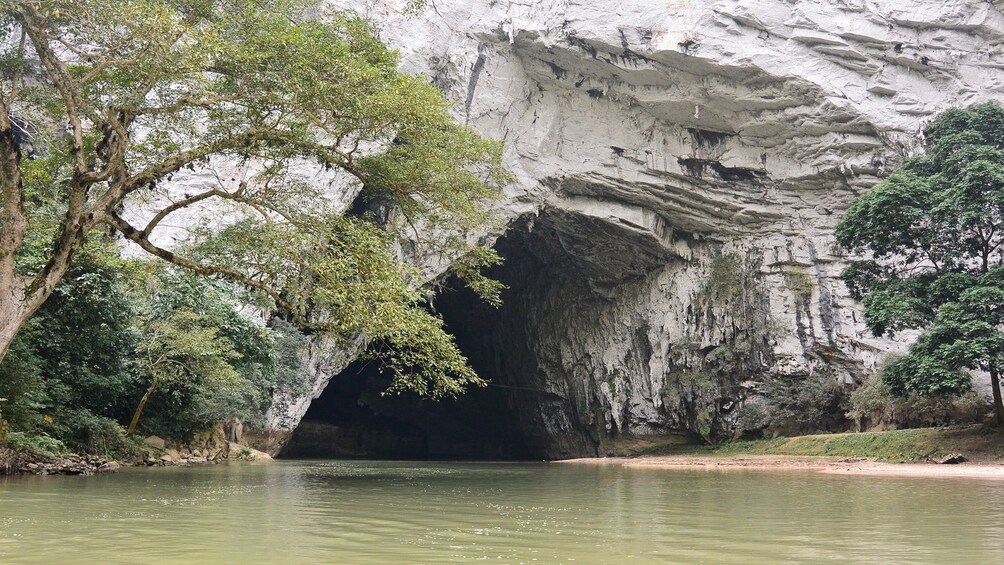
(174, 207)
(16, 81)
(142, 239)
(57, 72)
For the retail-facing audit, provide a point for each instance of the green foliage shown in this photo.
(934, 235)
(39, 443)
(78, 370)
(22, 390)
(725, 279)
(894, 446)
(185, 354)
(787, 405)
(874, 404)
(210, 362)
(84, 328)
(81, 430)
(282, 91)
(470, 268)
(67, 371)
(798, 283)
(292, 379)
(689, 379)
(965, 334)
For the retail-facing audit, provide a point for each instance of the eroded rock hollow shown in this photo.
(680, 168)
(577, 358)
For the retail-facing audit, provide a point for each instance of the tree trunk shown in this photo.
(13, 227)
(142, 404)
(15, 307)
(12, 315)
(7, 333)
(995, 384)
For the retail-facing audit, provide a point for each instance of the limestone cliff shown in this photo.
(681, 165)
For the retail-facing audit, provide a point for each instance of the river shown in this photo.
(405, 512)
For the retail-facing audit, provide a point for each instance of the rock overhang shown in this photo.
(675, 135)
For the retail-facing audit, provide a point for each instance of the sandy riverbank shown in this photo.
(827, 465)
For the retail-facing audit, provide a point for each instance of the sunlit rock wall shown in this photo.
(694, 157)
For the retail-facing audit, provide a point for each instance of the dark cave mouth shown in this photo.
(550, 259)
(352, 419)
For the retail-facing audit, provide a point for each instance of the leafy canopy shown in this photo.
(934, 231)
(260, 106)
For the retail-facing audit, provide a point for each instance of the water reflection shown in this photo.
(379, 512)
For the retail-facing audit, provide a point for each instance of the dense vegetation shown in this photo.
(82, 366)
(933, 233)
(248, 106)
(117, 117)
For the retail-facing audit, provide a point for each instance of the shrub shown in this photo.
(39, 443)
(873, 405)
(794, 404)
(22, 390)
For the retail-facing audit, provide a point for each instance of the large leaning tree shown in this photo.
(934, 232)
(105, 105)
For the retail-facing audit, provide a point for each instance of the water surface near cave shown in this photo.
(404, 512)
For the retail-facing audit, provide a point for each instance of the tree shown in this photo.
(104, 102)
(934, 231)
(184, 350)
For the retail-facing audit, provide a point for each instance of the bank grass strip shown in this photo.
(896, 446)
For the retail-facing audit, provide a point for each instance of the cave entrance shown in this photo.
(351, 419)
(558, 264)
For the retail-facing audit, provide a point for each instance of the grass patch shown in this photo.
(897, 446)
(40, 443)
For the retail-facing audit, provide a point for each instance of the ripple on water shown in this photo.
(379, 512)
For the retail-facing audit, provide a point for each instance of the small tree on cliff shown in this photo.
(934, 230)
(103, 101)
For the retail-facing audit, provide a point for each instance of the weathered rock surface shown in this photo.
(156, 442)
(69, 465)
(953, 459)
(681, 166)
(209, 446)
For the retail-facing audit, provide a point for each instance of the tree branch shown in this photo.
(142, 239)
(64, 83)
(12, 95)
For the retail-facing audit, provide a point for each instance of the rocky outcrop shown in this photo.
(28, 462)
(214, 445)
(207, 447)
(681, 166)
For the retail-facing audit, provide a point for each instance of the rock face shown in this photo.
(681, 165)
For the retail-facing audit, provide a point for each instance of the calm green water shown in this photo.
(384, 512)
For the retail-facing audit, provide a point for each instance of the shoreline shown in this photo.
(156, 453)
(825, 465)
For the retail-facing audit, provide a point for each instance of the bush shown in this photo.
(39, 443)
(75, 373)
(793, 405)
(22, 389)
(873, 405)
(84, 431)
